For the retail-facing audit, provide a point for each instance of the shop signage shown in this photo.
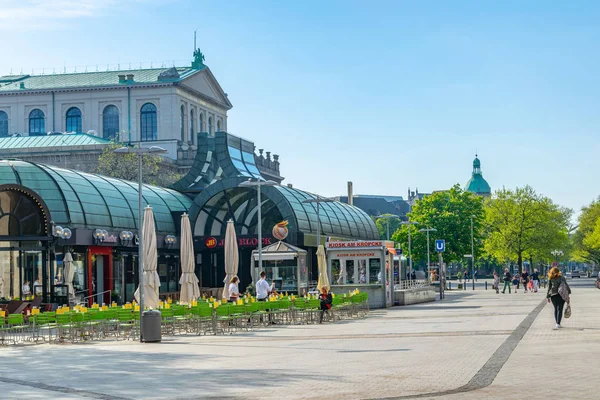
(111, 239)
(280, 230)
(212, 242)
(354, 245)
(342, 255)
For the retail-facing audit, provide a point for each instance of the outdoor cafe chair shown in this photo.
(239, 318)
(15, 330)
(202, 318)
(167, 321)
(223, 321)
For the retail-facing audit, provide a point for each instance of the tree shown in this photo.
(586, 240)
(382, 226)
(449, 212)
(125, 166)
(522, 224)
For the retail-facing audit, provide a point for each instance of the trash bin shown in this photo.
(151, 321)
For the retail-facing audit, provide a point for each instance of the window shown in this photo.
(201, 123)
(182, 123)
(149, 128)
(219, 126)
(210, 130)
(74, 120)
(110, 122)
(192, 130)
(3, 124)
(37, 123)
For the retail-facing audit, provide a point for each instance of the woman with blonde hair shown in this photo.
(557, 295)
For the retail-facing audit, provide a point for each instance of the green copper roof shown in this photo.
(81, 139)
(80, 200)
(477, 184)
(90, 79)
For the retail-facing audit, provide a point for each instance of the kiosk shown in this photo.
(360, 265)
(285, 265)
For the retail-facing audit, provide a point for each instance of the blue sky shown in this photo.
(388, 94)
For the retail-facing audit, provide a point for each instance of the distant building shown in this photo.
(375, 205)
(68, 119)
(477, 184)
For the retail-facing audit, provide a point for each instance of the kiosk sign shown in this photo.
(362, 244)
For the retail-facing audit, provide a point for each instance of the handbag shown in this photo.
(563, 291)
(568, 310)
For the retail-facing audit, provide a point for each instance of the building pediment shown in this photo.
(204, 82)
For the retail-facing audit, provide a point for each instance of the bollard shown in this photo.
(485, 285)
(449, 285)
(465, 285)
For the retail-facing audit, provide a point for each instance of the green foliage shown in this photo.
(450, 213)
(381, 223)
(586, 240)
(125, 166)
(522, 224)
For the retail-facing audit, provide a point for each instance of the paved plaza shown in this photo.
(474, 344)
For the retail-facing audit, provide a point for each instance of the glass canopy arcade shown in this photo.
(80, 200)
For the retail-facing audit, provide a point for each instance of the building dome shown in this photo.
(477, 184)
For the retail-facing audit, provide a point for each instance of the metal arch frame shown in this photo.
(37, 199)
(279, 201)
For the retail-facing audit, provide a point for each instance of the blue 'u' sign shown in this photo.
(440, 245)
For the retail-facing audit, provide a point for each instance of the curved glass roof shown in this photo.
(78, 199)
(224, 200)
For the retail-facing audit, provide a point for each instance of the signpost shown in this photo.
(440, 247)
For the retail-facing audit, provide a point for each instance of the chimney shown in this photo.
(350, 199)
(121, 78)
(290, 185)
(129, 77)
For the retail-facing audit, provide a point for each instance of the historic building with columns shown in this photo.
(164, 107)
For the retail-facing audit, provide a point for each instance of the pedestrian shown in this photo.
(515, 282)
(263, 289)
(475, 275)
(506, 279)
(234, 291)
(556, 295)
(524, 279)
(325, 302)
(413, 275)
(496, 284)
(536, 280)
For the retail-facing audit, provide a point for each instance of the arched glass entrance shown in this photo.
(24, 243)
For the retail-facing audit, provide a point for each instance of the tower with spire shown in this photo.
(477, 184)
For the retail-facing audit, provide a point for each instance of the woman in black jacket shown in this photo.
(555, 294)
(326, 300)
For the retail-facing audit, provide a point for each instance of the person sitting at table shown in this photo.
(325, 301)
(26, 289)
(37, 287)
(234, 292)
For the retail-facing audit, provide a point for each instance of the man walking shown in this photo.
(507, 280)
(262, 287)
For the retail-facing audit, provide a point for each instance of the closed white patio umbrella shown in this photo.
(150, 280)
(322, 264)
(189, 281)
(231, 257)
(69, 273)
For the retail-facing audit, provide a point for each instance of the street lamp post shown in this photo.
(428, 262)
(410, 261)
(318, 199)
(387, 218)
(472, 254)
(140, 151)
(258, 184)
